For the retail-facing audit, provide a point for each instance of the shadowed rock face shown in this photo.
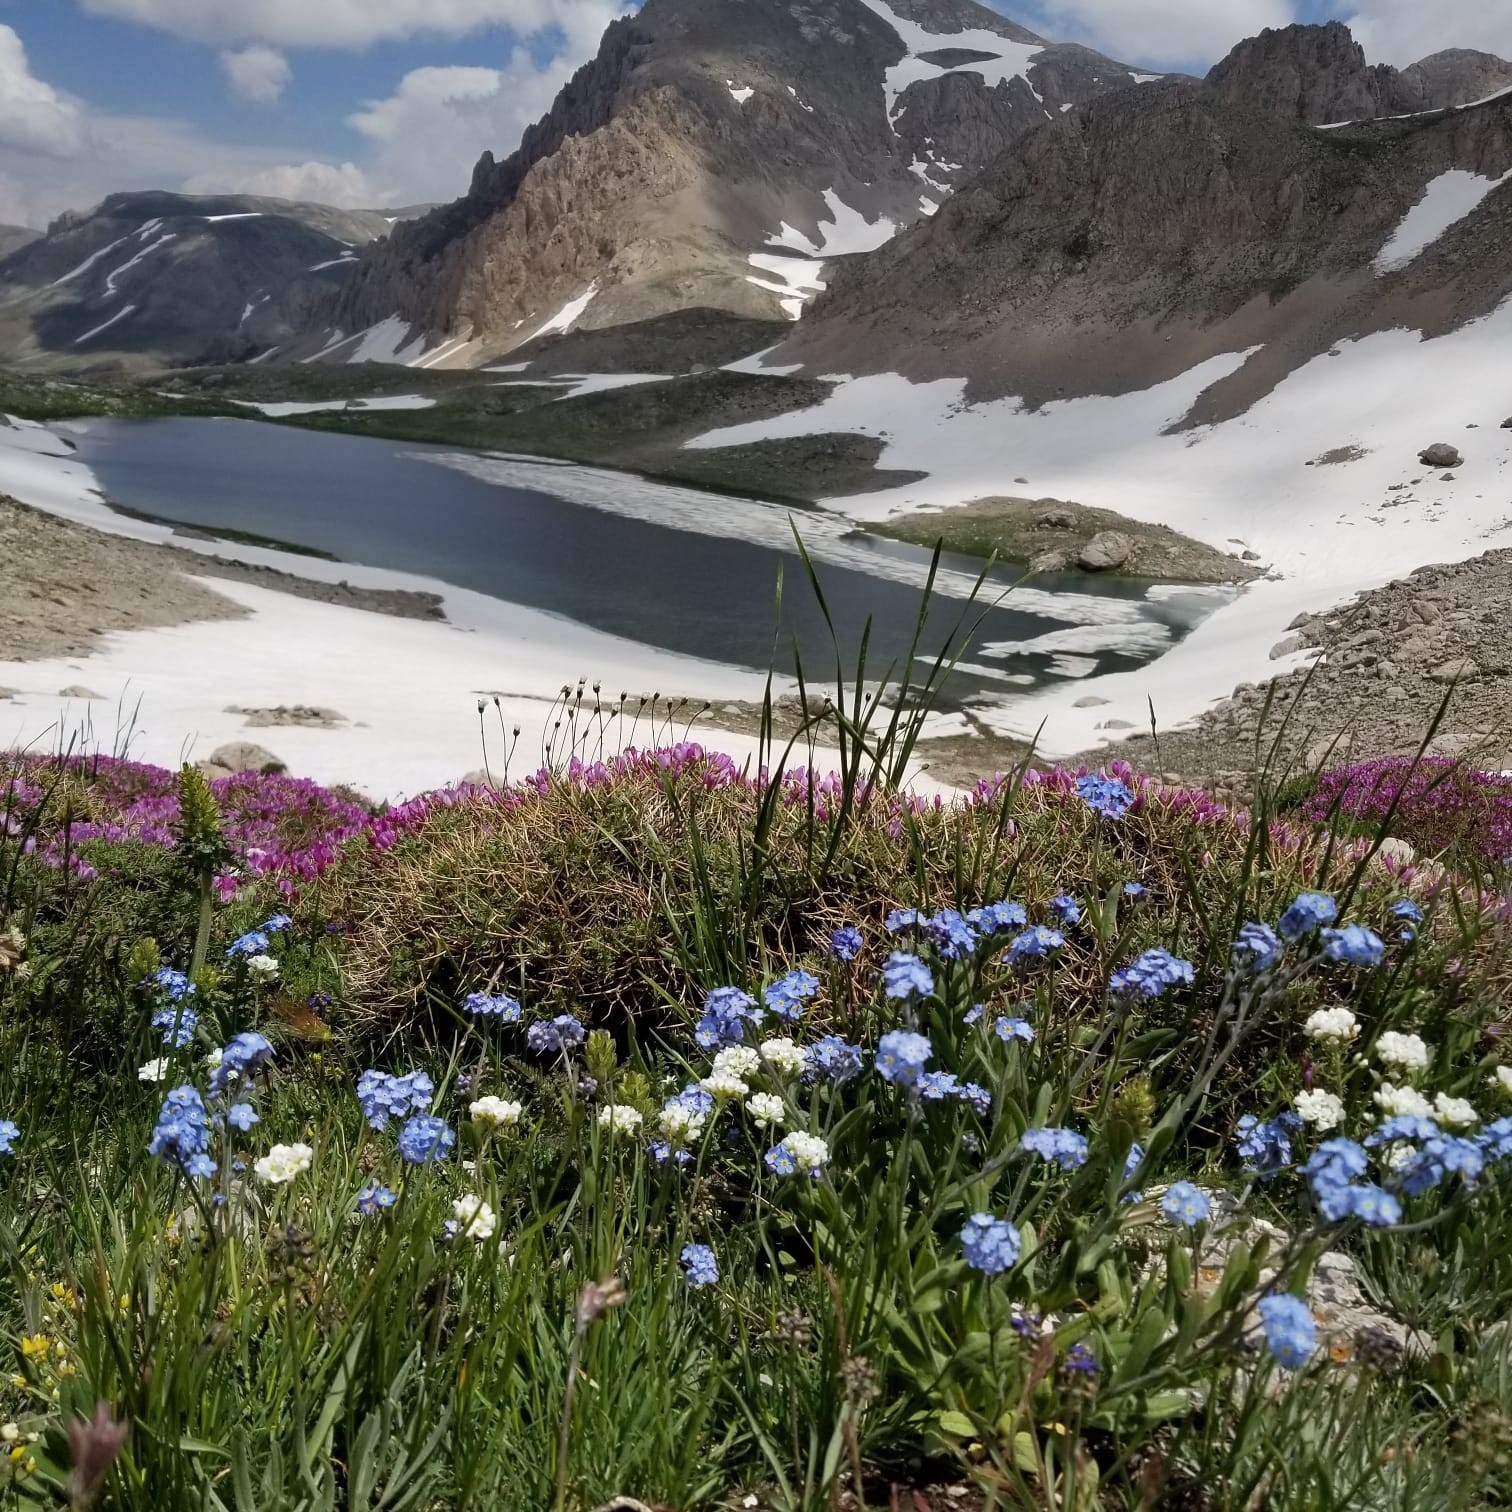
(1319, 74)
(650, 182)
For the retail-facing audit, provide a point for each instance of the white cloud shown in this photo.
(343, 184)
(1403, 31)
(257, 73)
(34, 117)
(60, 154)
(343, 23)
(1166, 33)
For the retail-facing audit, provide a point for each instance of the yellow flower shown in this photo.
(18, 1454)
(34, 1347)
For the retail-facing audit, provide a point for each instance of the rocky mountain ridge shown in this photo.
(715, 154)
(1157, 228)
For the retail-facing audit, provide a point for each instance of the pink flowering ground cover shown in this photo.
(1435, 804)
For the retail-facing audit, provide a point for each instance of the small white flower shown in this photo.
(680, 1124)
(619, 1118)
(739, 1061)
(475, 1219)
(153, 1071)
(213, 1060)
(1501, 1080)
(724, 1086)
(1402, 1052)
(1321, 1109)
(283, 1163)
(1332, 1026)
(264, 966)
(495, 1112)
(808, 1150)
(1403, 1102)
(9, 1433)
(1454, 1112)
(1400, 1155)
(765, 1108)
(783, 1056)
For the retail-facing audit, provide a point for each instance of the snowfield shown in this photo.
(1449, 199)
(1325, 532)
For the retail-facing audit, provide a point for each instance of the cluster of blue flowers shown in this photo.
(1353, 945)
(901, 1057)
(254, 942)
(845, 943)
(998, 918)
(1035, 944)
(726, 1012)
(182, 1135)
(1105, 795)
(1411, 916)
(555, 1036)
(9, 1134)
(174, 984)
(375, 1199)
(990, 1245)
(787, 995)
(1333, 1171)
(1290, 1334)
(699, 1265)
(1065, 1147)
(1066, 910)
(832, 1059)
(384, 1096)
(905, 977)
(1151, 976)
(241, 1057)
(1185, 1204)
(1010, 1029)
(1307, 914)
(426, 1138)
(490, 1005)
(178, 1025)
(1265, 1146)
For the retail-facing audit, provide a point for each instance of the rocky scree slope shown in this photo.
(707, 132)
(156, 279)
(1158, 227)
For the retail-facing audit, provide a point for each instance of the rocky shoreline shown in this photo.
(65, 585)
(1387, 663)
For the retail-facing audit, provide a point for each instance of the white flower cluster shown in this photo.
(809, 1152)
(681, 1124)
(475, 1219)
(495, 1112)
(283, 1163)
(1332, 1026)
(783, 1056)
(724, 1085)
(767, 1108)
(1323, 1110)
(1402, 1052)
(619, 1118)
(264, 966)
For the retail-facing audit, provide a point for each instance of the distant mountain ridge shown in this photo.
(169, 279)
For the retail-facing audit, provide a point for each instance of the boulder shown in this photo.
(1056, 519)
(1050, 561)
(1441, 454)
(1426, 611)
(1507, 423)
(1106, 551)
(1460, 669)
(75, 691)
(1289, 647)
(1091, 701)
(1398, 851)
(241, 756)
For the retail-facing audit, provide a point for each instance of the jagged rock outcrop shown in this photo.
(1319, 74)
(706, 131)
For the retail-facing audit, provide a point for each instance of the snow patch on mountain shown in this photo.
(1006, 60)
(844, 232)
(570, 313)
(740, 96)
(89, 262)
(112, 282)
(797, 279)
(1447, 200)
(120, 315)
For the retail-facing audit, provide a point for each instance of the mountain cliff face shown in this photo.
(1319, 74)
(716, 153)
(1157, 228)
(167, 279)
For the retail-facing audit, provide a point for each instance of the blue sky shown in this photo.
(387, 102)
